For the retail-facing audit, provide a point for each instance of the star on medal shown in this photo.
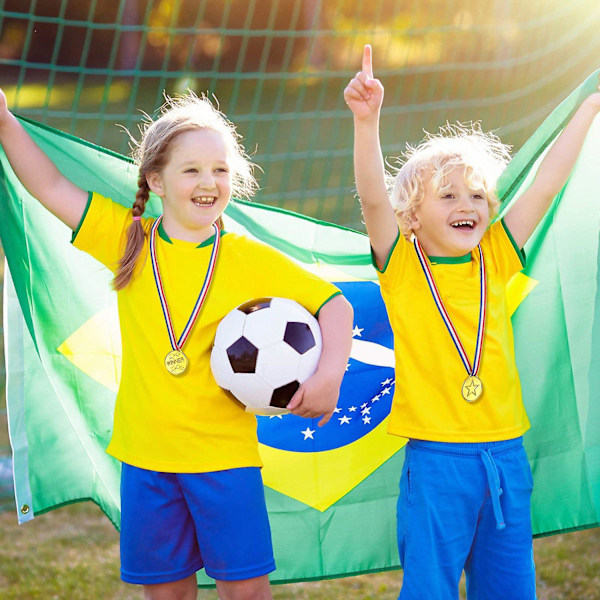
(472, 388)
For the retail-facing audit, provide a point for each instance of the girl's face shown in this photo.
(194, 184)
(452, 221)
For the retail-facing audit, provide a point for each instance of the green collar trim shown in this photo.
(207, 242)
(450, 260)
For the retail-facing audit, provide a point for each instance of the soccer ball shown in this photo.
(263, 350)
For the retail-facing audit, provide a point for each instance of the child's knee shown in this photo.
(257, 588)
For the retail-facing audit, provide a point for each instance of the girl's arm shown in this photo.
(524, 216)
(364, 96)
(38, 173)
(318, 395)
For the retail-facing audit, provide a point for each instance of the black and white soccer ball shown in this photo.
(263, 350)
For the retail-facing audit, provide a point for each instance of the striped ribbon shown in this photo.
(471, 370)
(177, 344)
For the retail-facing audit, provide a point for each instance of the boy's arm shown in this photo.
(524, 216)
(38, 173)
(364, 96)
(318, 395)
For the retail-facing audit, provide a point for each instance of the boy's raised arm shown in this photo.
(364, 96)
(38, 173)
(524, 216)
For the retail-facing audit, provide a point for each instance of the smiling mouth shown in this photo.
(204, 200)
(466, 224)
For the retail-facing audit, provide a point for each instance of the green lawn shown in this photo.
(73, 553)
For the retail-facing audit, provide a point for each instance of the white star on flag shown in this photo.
(357, 331)
(366, 420)
(344, 420)
(308, 433)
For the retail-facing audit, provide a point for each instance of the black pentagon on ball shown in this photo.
(299, 337)
(281, 396)
(242, 356)
(254, 305)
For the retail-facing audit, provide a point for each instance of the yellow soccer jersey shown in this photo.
(185, 423)
(428, 403)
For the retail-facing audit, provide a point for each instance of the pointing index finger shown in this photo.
(367, 61)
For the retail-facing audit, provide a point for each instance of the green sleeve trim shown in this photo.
(338, 293)
(520, 252)
(387, 261)
(85, 212)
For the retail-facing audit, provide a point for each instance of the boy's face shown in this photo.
(451, 221)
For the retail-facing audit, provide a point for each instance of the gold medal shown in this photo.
(176, 362)
(472, 388)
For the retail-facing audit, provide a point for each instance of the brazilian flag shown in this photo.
(331, 491)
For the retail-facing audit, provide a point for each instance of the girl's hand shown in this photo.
(593, 100)
(316, 397)
(3, 107)
(364, 95)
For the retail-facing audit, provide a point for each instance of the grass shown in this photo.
(73, 552)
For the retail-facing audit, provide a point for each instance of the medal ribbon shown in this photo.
(177, 344)
(471, 370)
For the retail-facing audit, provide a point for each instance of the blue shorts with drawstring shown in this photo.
(466, 507)
(174, 524)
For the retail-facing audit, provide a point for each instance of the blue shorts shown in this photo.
(466, 507)
(174, 524)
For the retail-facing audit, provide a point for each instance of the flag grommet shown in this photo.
(24, 509)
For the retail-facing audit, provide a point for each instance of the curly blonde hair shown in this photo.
(177, 115)
(482, 155)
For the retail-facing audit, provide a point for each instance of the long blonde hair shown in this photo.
(482, 155)
(177, 115)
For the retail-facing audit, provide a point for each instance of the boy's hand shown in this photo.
(364, 94)
(316, 397)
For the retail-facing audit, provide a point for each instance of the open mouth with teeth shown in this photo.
(204, 200)
(466, 224)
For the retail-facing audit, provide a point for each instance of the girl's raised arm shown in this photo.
(38, 173)
(364, 96)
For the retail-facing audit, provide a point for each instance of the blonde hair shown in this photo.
(177, 115)
(482, 155)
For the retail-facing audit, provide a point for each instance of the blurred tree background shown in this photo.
(278, 68)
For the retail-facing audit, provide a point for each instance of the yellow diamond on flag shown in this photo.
(95, 348)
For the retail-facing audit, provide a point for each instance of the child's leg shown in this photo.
(257, 588)
(501, 562)
(231, 525)
(440, 496)
(158, 537)
(184, 589)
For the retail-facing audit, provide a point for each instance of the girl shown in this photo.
(466, 483)
(191, 490)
